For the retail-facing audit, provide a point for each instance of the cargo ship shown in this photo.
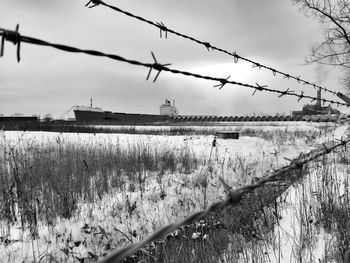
(170, 115)
(99, 116)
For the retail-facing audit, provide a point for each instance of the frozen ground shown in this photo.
(130, 216)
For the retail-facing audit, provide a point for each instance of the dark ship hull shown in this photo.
(107, 117)
(120, 118)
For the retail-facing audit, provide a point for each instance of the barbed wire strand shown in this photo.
(233, 198)
(16, 38)
(209, 46)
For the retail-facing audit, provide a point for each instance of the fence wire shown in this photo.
(16, 38)
(208, 46)
(232, 199)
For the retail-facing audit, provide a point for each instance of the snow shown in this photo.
(237, 161)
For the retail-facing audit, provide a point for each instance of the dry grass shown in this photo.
(43, 181)
(40, 181)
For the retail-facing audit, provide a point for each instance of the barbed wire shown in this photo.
(16, 38)
(232, 198)
(209, 46)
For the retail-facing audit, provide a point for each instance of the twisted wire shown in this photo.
(16, 38)
(233, 198)
(209, 46)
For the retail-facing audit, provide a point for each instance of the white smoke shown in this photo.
(322, 73)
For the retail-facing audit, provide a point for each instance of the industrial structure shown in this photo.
(316, 109)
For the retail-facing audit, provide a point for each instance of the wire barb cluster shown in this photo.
(209, 47)
(163, 28)
(223, 82)
(156, 66)
(94, 3)
(12, 36)
(232, 198)
(16, 38)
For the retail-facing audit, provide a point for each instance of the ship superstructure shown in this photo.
(168, 109)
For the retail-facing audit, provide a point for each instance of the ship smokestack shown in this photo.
(318, 103)
(90, 102)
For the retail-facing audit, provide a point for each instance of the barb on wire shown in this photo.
(15, 37)
(328, 150)
(235, 57)
(343, 142)
(254, 92)
(94, 3)
(209, 46)
(259, 88)
(156, 66)
(232, 198)
(2, 46)
(162, 28)
(256, 65)
(301, 95)
(223, 82)
(286, 92)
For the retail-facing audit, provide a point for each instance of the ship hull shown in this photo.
(106, 117)
(118, 117)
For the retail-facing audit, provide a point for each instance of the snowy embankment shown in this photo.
(301, 233)
(128, 215)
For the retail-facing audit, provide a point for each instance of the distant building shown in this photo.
(168, 109)
(316, 109)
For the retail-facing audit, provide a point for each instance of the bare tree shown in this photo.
(335, 48)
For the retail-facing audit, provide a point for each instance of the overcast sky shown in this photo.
(272, 32)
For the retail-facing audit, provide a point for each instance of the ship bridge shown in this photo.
(168, 109)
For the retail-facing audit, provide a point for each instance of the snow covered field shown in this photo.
(169, 178)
